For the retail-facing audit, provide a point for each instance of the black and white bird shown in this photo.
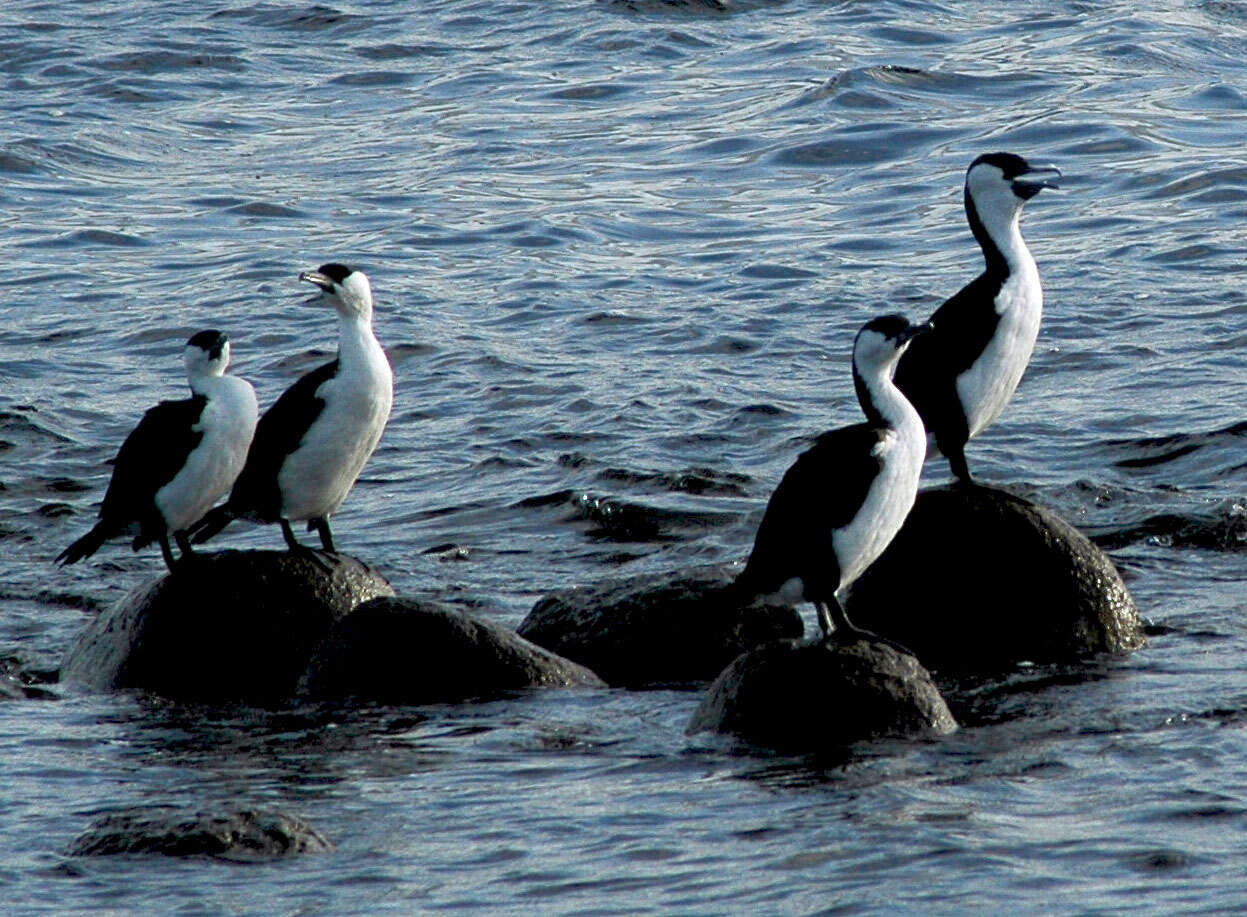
(961, 376)
(311, 445)
(181, 458)
(843, 500)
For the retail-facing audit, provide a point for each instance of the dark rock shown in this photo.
(12, 689)
(667, 628)
(19, 680)
(819, 695)
(242, 835)
(233, 625)
(407, 651)
(979, 580)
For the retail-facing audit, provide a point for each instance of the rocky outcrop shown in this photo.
(398, 650)
(232, 625)
(667, 628)
(979, 580)
(821, 695)
(244, 835)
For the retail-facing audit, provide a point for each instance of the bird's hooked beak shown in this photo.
(914, 330)
(1036, 178)
(316, 277)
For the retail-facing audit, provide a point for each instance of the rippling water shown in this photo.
(620, 249)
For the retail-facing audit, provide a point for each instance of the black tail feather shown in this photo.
(85, 546)
(210, 524)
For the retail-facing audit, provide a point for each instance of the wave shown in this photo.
(1148, 452)
(1224, 530)
(615, 519)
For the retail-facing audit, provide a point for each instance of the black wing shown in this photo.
(278, 433)
(149, 459)
(822, 491)
(153, 453)
(927, 372)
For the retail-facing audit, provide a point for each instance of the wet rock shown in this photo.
(232, 625)
(12, 689)
(398, 650)
(19, 680)
(667, 628)
(244, 835)
(979, 580)
(819, 695)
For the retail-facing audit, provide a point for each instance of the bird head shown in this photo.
(346, 289)
(206, 353)
(881, 341)
(998, 184)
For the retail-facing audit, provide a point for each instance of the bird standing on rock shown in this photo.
(844, 499)
(181, 458)
(961, 376)
(311, 445)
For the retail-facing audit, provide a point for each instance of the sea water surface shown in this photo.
(619, 251)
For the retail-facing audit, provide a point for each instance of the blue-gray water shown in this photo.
(619, 250)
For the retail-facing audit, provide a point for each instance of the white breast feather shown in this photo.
(888, 502)
(316, 478)
(986, 387)
(227, 424)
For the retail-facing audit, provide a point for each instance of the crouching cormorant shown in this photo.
(181, 458)
(844, 499)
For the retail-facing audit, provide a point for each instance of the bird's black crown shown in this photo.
(1011, 164)
(335, 272)
(890, 326)
(210, 342)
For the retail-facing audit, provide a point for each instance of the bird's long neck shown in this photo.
(356, 342)
(998, 232)
(204, 384)
(882, 402)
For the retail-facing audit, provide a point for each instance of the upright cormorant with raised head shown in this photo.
(961, 376)
(311, 445)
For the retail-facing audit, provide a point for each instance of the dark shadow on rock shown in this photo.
(660, 629)
(817, 696)
(396, 650)
(237, 836)
(233, 625)
(979, 580)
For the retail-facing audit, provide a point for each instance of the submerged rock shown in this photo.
(19, 680)
(232, 625)
(399, 650)
(979, 580)
(819, 695)
(244, 835)
(667, 628)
